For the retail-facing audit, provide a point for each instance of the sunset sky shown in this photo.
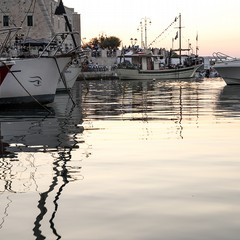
(216, 22)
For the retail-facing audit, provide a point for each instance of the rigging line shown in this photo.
(26, 89)
(64, 82)
(175, 19)
(164, 37)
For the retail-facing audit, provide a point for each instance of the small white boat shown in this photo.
(150, 67)
(228, 68)
(70, 75)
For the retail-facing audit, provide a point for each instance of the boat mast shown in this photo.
(180, 39)
(197, 44)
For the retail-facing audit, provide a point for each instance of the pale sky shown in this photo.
(217, 22)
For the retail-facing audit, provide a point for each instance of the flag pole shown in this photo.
(197, 44)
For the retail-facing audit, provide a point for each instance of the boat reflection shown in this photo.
(229, 101)
(36, 150)
(145, 101)
(38, 130)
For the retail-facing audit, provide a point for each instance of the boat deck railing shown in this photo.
(222, 57)
(55, 45)
(9, 33)
(13, 44)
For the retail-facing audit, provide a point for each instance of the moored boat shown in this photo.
(149, 66)
(145, 65)
(228, 68)
(32, 80)
(70, 74)
(42, 65)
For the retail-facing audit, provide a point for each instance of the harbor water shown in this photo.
(132, 160)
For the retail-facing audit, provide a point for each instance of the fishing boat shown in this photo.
(148, 66)
(145, 65)
(228, 68)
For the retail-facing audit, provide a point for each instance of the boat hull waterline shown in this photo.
(178, 73)
(71, 74)
(229, 71)
(32, 80)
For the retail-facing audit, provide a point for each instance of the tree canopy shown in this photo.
(111, 42)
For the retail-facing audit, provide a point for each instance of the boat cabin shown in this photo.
(141, 61)
(146, 62)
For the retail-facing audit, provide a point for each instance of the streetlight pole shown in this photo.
(144, 22)
(133, 41)
(141, 28)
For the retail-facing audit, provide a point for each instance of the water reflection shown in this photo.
(38, 133)
(147, 101)
(36, 154)
(153, 147)
(62, 174)
(229, 101)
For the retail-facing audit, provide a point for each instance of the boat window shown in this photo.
(30, 21)
(5, 21)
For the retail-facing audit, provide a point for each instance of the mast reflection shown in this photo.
(145, 101)
(61, 172)
(35, 148)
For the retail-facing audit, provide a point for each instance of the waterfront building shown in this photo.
(37, 19)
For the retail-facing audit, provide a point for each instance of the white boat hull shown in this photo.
(229, 71)
(32, 80)
(71, 74)
(135, 74)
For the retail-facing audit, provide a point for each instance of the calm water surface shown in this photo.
(132, 160)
